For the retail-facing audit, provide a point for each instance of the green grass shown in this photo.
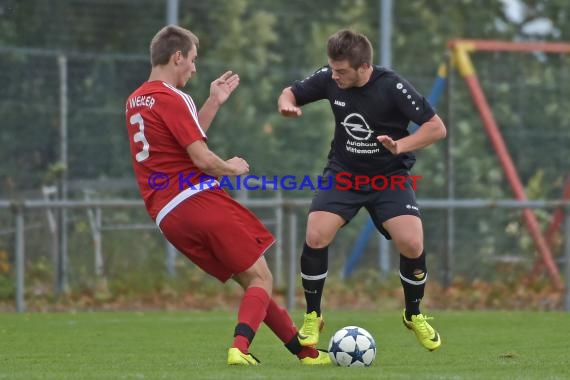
(193, 345)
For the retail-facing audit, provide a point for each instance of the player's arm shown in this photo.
(428, 133)
(210, 163)
(220, 91)
(308, 90)
(287, 104)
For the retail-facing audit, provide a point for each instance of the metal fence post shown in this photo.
(567, 257)
(98, 244)
(292, 258)
(450, 178)
(18, 209)
(62, 267)
(384, 253)
(170, 259)
(279, 240)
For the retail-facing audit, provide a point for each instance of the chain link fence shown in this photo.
(62, 119)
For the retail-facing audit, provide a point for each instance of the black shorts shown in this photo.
(345, 201)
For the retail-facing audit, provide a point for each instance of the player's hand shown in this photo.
(389, 144)
(222, 88)
(290, 111)
(239, 164)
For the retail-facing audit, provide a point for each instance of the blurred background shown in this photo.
(74, 233)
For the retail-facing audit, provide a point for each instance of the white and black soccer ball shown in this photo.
(352, 346)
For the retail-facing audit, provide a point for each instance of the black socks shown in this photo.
(314, 269)
(413, 276)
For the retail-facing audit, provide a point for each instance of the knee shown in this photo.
(268, 277)
(264, 279)
(411, 248)
(256, 276)
(316, 239)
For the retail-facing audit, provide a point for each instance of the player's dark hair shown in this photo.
(168, 41)
(351, 46)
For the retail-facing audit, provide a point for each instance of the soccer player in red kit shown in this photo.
(174, 166)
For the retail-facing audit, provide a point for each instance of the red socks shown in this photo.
(252, 311)
(256, 306)
(280, 322)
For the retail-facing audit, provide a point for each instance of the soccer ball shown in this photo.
(352, 346)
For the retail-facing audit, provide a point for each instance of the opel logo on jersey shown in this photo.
(356, 126)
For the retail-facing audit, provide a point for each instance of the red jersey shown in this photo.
(161, 122)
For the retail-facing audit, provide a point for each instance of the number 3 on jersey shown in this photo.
(137, 119)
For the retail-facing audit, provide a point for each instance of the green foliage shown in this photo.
(7, 288)
(270, 44)
(253, 41)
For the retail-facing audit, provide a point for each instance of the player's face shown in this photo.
(346, 76)
(186, 67)
(343, 74)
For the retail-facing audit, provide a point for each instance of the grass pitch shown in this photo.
(193, 345)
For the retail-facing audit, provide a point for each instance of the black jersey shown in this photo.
(383, 106)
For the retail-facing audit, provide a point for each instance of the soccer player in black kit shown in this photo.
(372, 108)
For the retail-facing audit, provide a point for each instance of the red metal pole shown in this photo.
(496, 45)
(461, 51)
(512, 176)
(555, 223)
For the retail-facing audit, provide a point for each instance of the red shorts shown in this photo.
(216, 233)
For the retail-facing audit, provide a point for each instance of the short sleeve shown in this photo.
(409, 101)
(312, 88)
